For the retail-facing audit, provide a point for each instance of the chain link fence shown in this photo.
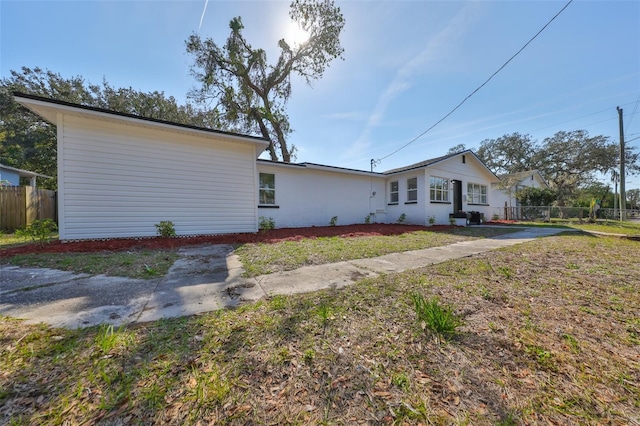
(548, 213)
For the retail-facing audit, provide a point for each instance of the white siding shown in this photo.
(119, 180)
(414, 211)
(471, 171)
(308, 197)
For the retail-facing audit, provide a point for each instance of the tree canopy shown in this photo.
(29, 142)
(251, 93)
(566, 160)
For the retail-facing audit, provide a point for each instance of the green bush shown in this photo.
(40, 231)
(432, 220)
(367, 219)
(436, 318)
(166, 229)
(266, 223)
(333, 221)
(402, 218)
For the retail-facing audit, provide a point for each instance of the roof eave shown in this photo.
(49, 108)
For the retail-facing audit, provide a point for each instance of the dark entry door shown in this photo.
(457, 196)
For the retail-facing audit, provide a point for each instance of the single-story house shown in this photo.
(120, 174)
(10, 176)
(513, 182)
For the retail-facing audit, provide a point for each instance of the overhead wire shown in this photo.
(479, 87)
(633, 113)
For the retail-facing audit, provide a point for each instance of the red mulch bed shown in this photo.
(272, 236)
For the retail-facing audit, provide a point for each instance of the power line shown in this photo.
(479, 87)
(633, 113)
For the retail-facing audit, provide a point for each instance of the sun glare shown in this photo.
(295, 35)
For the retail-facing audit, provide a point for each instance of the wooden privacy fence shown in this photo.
(21, 205)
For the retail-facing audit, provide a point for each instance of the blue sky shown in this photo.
(406, 64)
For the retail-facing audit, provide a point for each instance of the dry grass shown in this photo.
(551, 336)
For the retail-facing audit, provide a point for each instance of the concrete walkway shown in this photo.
(203, 279)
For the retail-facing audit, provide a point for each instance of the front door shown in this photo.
(457, 196)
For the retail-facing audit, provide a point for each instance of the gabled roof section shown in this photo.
(49, 108)
(436, 160)
(24, 173)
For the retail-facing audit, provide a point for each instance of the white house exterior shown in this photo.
(119, 175)
(445, 185)
(310, 194)
(505, 190)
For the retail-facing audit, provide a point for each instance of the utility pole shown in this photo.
(623, 176)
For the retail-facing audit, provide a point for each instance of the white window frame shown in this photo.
(263, 188)
(394, 196)
(476, 193)
(439, 189)
(412, 192)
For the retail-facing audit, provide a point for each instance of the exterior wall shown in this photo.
(9, 175)
(119, 180)
(414, 211)
(309, 197)
(471, 171)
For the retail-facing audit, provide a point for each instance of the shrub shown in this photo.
(39, 231)
(402, 218)
(333, 221)
(166, 229)
(436, 318)
(266, 223)
(367, 219)
(432, 220)
(452, 221)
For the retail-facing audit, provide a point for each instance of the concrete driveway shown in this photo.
(203, 279)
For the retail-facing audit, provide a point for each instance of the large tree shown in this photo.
(29, 142)
(508, 154)
(250, 92)
(567, 160)
(633, 197)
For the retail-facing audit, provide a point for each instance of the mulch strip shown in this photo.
(269, 237)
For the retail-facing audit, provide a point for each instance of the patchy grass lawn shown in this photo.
(607, 226)
(260, 259)
(11, 240)
(135, 264)
(610, 226)
(551, 335)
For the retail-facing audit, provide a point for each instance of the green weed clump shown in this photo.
(436, 318)
(166, 229)
(266, 223)
(40, 231)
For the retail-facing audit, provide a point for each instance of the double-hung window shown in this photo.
(439, 189)
(393, 192)
(476, 193)
(267, 189)
(412, 190)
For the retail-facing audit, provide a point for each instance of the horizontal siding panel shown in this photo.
(120, 180)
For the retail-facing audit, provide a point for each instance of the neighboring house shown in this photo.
(510, 184)
(119, 175)
(10, 176)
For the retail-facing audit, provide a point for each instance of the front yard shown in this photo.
(551, 335)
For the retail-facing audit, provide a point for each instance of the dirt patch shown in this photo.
(271, 236)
